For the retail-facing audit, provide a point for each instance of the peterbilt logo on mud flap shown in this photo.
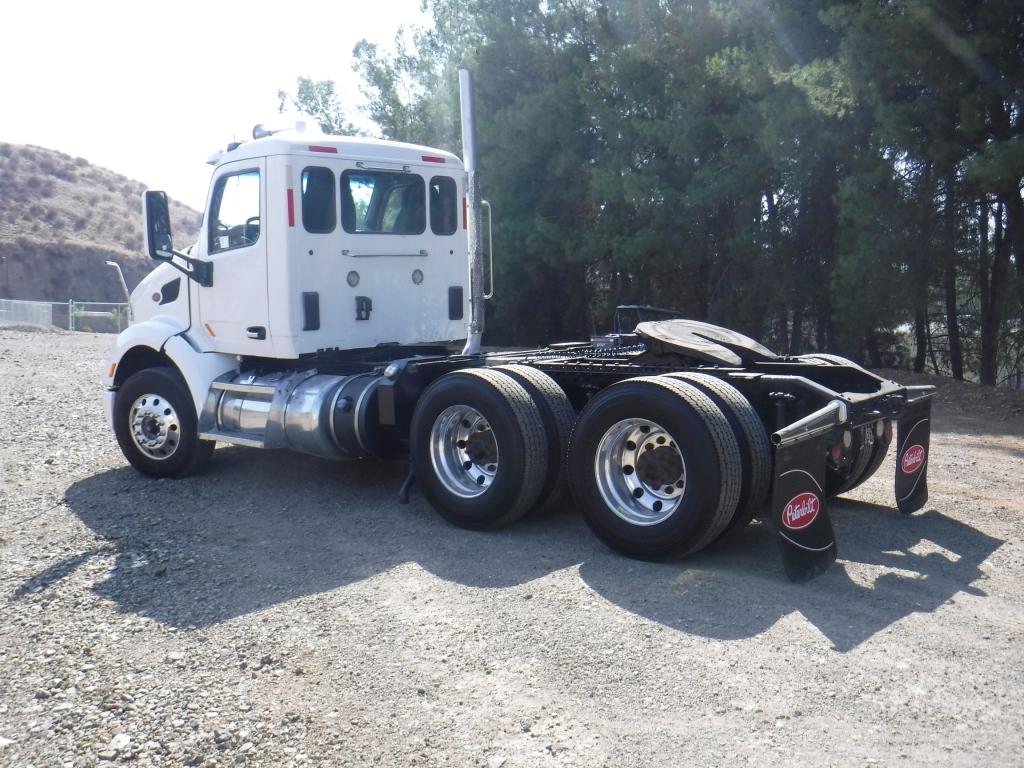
(912, 459)
(801, 511)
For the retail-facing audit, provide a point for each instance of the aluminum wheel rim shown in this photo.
(154, 426)
(463, 451)
(640, 472)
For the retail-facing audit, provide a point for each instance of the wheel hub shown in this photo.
(150, 427)
(463, 451)
(154, 426)
(481, 448)
(659, 467)
(640, 473)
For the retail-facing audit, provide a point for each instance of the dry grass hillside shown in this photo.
(62, 217)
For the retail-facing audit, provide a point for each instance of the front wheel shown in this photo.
(156, 426)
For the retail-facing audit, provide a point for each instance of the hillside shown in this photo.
(61, 217)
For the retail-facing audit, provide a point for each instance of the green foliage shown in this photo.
(872, 272)
(807, 171)
(317, 98)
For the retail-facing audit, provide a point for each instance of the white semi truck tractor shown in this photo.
(334, 305)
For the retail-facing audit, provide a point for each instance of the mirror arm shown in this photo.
(197, 269)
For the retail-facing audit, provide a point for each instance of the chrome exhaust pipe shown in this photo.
(477, 298)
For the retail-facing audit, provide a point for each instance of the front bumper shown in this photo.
(108, 406)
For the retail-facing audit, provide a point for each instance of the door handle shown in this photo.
(257, 332)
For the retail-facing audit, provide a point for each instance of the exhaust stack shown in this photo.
(476, 256)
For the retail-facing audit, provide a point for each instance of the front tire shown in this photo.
(156, 426)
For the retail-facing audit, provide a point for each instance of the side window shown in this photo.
(319, 212)
(444, 216)
(381, 202)
(235, 211)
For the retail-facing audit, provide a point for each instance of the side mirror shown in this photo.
(158, 225)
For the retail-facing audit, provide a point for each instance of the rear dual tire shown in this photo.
(655, 467)
(558, 417)
(752, 439)
(479, 448)
(658, 465)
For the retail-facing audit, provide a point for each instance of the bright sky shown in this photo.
(151, 89)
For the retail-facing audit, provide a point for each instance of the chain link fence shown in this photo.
(94, 316)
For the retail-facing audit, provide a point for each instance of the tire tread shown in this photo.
(560, 417)
(534, 439)
(750, 434)
(724, 455)
(726, 447)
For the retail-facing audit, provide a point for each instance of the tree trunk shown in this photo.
(1007, 126)
(874, 355)
(920, 265)
(797, 333)
(798, 289)
(822, 331)
(992, 306)
(987, 369)
(823, 245)
(1015, 227)
(956, 354)
(921, 339)
(931, 347)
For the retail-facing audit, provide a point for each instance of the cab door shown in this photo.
(234, 310)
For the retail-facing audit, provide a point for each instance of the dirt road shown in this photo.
(281, 610)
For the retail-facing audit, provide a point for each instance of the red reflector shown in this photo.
(329, 150)
(432, 159)
(888, 431)
(837, 452)
(465, 225)
(291, 208)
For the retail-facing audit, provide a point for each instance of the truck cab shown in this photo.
(319, 242)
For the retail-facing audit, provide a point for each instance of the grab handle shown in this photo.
(490, 248)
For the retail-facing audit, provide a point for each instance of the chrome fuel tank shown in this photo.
(324, 415)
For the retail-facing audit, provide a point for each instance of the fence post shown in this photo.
(71, 314)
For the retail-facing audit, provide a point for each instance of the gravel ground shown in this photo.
(279, 610)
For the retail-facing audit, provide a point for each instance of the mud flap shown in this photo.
(798, 513)
(913, 431)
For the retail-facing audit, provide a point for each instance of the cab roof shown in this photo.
(305, 143)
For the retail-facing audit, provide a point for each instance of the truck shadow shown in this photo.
(889, 567)
(262, 528)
